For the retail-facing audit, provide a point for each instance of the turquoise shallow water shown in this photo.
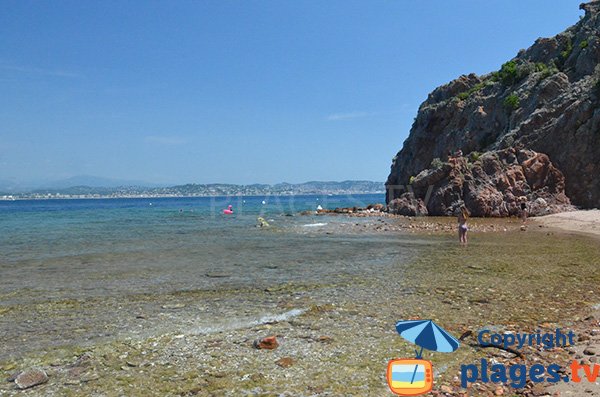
(91, 265)
(84, 245)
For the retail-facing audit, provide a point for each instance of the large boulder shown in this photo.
(493, 184)
(407, 205)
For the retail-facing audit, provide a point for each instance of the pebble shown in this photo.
(268, 343)
(285, 362)
(538, 390)
(589, 351)
(31, 377)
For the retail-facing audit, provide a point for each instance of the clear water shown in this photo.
(106, 253)
(95, 247)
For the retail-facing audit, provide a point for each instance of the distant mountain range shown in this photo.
(87, 187)
(12, 186)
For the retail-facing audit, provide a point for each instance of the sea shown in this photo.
(62, 248)
(95, 265)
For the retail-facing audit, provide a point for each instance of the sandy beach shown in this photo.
(583, 221)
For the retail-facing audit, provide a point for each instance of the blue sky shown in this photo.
(238, 91)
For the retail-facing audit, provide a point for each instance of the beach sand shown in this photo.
(583, 221)
(580, 222)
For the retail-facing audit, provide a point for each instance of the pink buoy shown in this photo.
(229, 210)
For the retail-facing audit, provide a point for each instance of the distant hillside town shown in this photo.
(200, 190)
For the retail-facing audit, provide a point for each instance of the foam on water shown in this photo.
(314, 225)
(248, 323)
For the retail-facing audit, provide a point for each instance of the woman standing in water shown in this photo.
(524, 211)
(462, 225)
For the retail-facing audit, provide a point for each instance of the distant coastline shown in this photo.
(200, 190)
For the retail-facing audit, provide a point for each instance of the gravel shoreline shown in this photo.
(340, 336)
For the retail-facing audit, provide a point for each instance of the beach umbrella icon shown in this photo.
(403, 379)
(427, 335)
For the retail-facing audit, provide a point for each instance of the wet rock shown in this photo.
(285, 362)
(30, 378)
(268, 343)
(376, 207)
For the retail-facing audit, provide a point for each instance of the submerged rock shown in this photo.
(31, 377)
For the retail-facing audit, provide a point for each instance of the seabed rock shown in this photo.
(30, 378)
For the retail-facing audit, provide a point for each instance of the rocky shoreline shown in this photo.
(492, 184)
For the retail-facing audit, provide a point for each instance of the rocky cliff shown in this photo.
(542, 104)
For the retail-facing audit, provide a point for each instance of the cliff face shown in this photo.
(546, 100)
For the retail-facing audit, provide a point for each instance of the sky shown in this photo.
(238, 91)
